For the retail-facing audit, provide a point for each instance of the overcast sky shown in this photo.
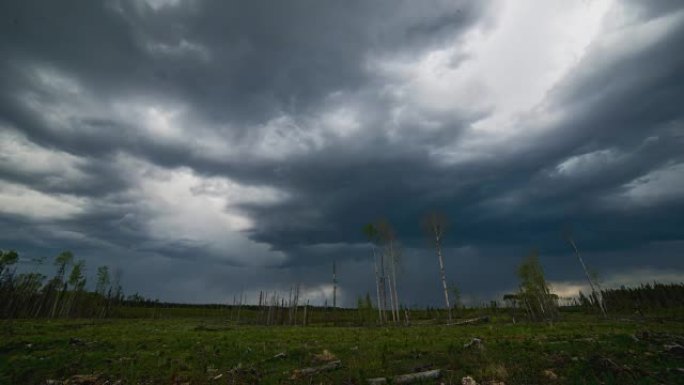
(204, 148)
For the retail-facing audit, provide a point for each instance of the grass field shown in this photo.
(580, 350)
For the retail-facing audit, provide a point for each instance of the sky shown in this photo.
(203, 149)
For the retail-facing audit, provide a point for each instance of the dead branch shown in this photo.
(408, 378)
(299, 373)
(472, 321)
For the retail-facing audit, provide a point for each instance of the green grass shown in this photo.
(582, 350)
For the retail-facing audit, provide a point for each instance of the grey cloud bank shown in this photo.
(208, 148)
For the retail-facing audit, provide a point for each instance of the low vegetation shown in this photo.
(582, 349)
(55, 331)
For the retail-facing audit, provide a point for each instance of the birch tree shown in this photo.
(77, 282)
(435, 225)
(596, 294)
(534, 290)
(391, 251)
(7, 259)
(62, 261)
(371, 233)
(334, 280)
(102, 282)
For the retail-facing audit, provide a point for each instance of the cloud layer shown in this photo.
(208, 148)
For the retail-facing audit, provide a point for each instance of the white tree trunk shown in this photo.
(377, 286)
(393, 256)
(438, 246)
(383, 286)
(598, 296)
(391, 293)
(334, 286)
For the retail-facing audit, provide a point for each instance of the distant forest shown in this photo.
(33, 295)
(639, 299)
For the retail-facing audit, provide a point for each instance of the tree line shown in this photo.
(33, 295)
(533, 300)
(533, 296)
(646, 297)
(386, 257)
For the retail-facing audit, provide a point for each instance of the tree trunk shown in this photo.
(396, 316)
(438, 246)
(334, 286)
(306, 309)
(391, 296)
(383, 287)
(586, 272)
(377, 285)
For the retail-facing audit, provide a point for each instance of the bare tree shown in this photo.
(334, 279)
(391, 251)
(371, 233)
(435, 225)
(593, 285)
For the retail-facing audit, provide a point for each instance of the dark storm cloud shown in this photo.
(236, 62)
(78, 78)
(628, 106)
(653, 9)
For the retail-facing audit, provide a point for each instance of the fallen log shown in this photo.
(298, 373)
(408, 378)
(421, 376)
(473, 343)
(471, 321)
(674, 348)
(377, 381)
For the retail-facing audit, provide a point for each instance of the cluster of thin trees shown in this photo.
(386, 257)
(535, 300)
(33, 295)
(533, 296)
(276, 310)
